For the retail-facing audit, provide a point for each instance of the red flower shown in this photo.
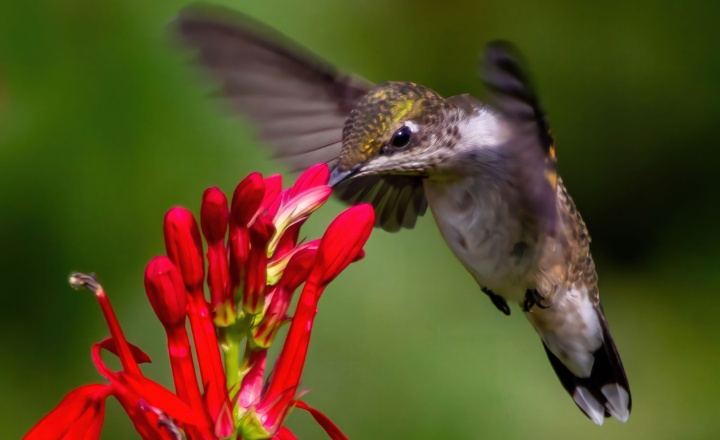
(254, 265)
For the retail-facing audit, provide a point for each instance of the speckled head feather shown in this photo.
(379, 113)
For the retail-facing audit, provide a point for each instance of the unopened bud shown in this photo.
(214, 215)
(184, 247)
(166, 291)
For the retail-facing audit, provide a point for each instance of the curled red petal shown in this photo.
(184, 247)
(315, 175)
(160, 397)
(166, 291)
(132, 389)
(214, 215)
(359, 256)
(342, 242)
(331, 428)
(83, 406)
(122, 346)
(294, 211)
(247, 199)
(273, 187)
(140, 356)
(284, 434)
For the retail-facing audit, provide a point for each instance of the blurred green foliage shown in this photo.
(103, 127)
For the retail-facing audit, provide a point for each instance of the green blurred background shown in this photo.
(103, 128)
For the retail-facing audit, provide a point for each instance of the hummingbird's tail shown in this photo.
(581, 350)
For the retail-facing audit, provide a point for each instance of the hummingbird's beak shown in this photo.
(338, 176)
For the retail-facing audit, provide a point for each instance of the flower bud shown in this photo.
(184, 247)
(214, 215)
(342, 242)
(247, 199)
(166, 291)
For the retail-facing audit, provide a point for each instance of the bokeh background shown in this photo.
(103, 127)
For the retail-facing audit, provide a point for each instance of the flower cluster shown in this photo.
(254, 265)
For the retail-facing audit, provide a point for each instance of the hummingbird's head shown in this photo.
(394, 129)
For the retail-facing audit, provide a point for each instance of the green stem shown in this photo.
(231, 341)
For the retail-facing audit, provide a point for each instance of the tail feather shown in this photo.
(606, 391)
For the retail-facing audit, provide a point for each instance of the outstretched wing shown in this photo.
(298, 101)
(532, 144)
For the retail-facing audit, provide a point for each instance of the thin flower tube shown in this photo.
(254, 264)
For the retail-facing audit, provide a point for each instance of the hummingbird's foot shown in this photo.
(533, 298)
(497, 300)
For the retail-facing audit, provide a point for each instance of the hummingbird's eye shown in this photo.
(401, 138)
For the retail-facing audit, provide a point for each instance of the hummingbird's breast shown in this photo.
(480, 223)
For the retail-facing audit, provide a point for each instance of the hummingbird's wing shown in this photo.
(398, 200)
(532, 144)
(298, 101)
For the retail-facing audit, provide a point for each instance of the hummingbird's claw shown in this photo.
(533, 298)
(497, 300)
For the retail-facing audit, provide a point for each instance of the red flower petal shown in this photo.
(247, 199)
(239, 244)
(83, 407)
(252, 382)
(342, 242)
(166, 291)
(284, 434)
(219, 284)
(288, 240)
(208, 353)
(314, 176)
(122, 346)
(298, 267)
(333, 431)
(183, 368)
(159, 397)
(184, 247)
(182, 240)
(273, 187)
(88, 425)
(214, 215)
(140, 356)
(253, 300)
(296, 210)
(294, 274)
(225, 424)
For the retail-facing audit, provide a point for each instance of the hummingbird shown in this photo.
(487, 171)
